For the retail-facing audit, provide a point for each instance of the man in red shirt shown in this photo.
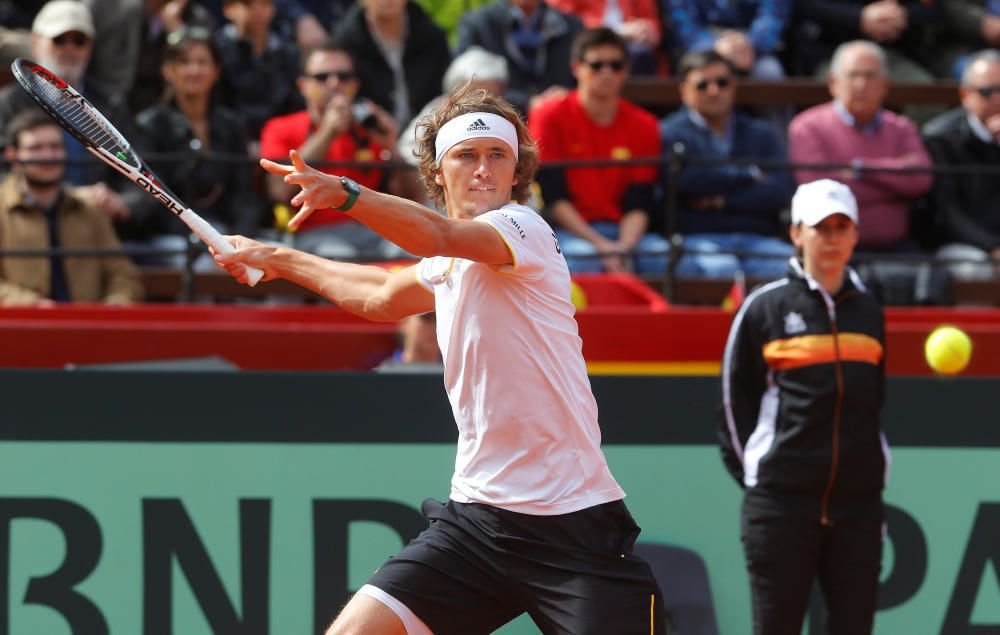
(602, 214)
(335, 127)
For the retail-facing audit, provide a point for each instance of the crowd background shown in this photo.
(204, 88)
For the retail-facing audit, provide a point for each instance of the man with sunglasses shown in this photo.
(967, 205)
(62, 40)
(337, 126)
(602, 213)
(727, 211)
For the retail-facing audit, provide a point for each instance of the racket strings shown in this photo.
(89, 124)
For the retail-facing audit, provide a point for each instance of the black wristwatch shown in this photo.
(353, 191)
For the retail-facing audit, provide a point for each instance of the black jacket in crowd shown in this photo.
(821, 25)
(425, 58)
(257, 87)
(490, 27)
(967, 205)
(803, 379)
(214, 181)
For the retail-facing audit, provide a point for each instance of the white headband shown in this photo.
(471, 126)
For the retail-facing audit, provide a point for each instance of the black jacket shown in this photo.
(425, 58)
(803, 379)
(821, 25)
(214, 181)
(490, 27)
(967, 206)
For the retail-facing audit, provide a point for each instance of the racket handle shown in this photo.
(207, 233)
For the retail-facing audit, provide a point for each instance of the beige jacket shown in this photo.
(24, 281)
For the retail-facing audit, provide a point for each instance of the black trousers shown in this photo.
(478, 567)
(787, 548)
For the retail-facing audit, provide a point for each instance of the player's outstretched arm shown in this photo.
(370, 292)
(410, 225)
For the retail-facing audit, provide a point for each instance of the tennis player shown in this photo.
(535, 522)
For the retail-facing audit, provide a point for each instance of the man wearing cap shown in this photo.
(803, 378)
(535, 522)
(62, 40)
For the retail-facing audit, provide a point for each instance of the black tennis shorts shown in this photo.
(478, 567)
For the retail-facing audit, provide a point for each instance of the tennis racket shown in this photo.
(72, 111)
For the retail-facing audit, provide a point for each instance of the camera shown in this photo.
(363, 115)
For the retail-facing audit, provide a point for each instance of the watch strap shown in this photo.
(352, 190)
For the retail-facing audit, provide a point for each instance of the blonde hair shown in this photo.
(464, 100)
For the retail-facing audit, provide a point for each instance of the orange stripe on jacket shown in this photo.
(806, 350)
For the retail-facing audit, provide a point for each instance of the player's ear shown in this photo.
(438, 179)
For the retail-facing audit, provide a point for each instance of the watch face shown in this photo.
(350, 185)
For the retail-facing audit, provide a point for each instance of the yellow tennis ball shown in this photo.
(948, 350)
(577, 296)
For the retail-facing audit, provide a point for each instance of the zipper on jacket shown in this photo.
(835, 453)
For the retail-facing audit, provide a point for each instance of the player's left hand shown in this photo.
(319, 190)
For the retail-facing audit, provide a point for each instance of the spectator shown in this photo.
(419, 351)
(199, 135)
(970, 25)
(748, 33)
(856, 131)
(329, 129)
(62, 41)
(447, 13)
(399, 54)
(39, 211)
(726, 207)
(968, 204)
(803, 380)
(118, 37)
(253, 56)
(158, 20)
(298, 22)
(534, 38)
(638, 21)
(15, 32)
(600, 210)
(901, 27)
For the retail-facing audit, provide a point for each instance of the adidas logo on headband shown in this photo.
(474, 125)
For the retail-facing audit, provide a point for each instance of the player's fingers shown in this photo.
(300, 216)
(275, 168)
(230, 259)
(297, 161)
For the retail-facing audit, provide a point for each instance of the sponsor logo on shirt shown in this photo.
(794, 323)
(516, 225)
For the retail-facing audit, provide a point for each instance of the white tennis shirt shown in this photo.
(528, 437)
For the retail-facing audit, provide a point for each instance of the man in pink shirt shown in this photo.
(856, 131)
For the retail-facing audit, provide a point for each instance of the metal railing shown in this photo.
(671, 165)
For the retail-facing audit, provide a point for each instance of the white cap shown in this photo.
(816, 200)
(62, 16)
